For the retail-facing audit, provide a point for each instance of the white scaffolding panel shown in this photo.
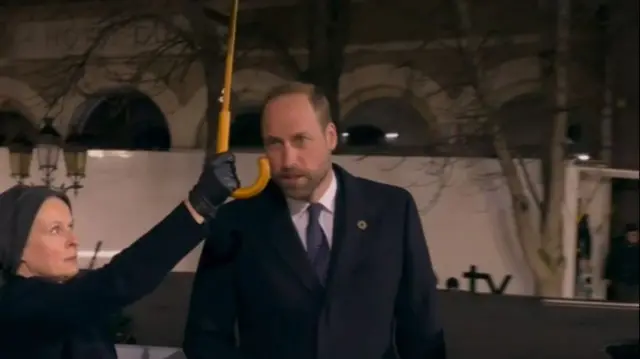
(609, 172)
(571, 213)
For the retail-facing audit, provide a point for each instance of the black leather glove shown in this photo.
(217, 181)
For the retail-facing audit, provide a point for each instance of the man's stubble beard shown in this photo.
(305, 192)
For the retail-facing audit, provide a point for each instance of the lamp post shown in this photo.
(48, 148)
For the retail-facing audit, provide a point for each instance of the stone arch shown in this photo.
(101, 79)
(514, 87)
(244, 112)
(246, 130)
(23, 98)
(250, 87)
(512, 79)
(517, 79)
(364, 135)
(122, 118)
(400, 121)
(526, 120)
(15, 126)
(386, 80)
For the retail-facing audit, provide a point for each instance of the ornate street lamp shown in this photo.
(20, 153)
(48, 148)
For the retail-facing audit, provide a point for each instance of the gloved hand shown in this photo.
(217, 181)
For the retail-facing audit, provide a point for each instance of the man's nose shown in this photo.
(288, 156)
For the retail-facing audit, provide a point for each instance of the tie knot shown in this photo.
(314, 211)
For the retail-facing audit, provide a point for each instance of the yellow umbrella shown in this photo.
(224, 120)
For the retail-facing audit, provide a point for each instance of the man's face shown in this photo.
(297, 145)
(632, 237)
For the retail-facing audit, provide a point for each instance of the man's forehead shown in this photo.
(290, 102)
(291, 112)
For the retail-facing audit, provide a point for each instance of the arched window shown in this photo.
(364, 135)
(245, 130)
(14, 125)
(527, 121)
(122, 119)
(400, 123)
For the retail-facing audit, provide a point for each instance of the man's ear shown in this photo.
(331, 134)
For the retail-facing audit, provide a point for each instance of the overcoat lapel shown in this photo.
(350, 221)
(282, 235)
(351, 217)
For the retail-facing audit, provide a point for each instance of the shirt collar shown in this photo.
(328, 199)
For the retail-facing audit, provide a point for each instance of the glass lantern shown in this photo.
(75, 157)
(49, 147)
(20, 156)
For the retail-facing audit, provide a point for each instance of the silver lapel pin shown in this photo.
(362, 225)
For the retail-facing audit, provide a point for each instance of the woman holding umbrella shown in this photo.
(47, 311)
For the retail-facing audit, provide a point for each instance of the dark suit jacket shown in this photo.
(380, 283)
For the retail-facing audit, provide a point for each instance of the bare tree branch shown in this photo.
(253, 30)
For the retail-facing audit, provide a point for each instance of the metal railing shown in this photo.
(590, 304)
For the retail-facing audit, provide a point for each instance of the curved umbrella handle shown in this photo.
(264, 172)
(224, 119)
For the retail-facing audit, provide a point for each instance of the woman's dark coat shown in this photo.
(40, 319)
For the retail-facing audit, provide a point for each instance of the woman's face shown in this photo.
(52, 248)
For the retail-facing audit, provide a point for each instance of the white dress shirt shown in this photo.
(300, 215)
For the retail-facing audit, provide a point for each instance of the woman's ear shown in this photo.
(24, 270)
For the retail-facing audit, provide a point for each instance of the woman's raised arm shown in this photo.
(39, 303)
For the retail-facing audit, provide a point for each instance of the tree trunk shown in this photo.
(552, 246)
(327, 39)
(210, 56)
(528, 232)
(540, 248)
(549, 287)
(547, 55)
(557, 146)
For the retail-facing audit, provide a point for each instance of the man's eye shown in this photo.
(298, 141)
(272, 144)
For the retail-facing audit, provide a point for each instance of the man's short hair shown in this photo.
(316, 97)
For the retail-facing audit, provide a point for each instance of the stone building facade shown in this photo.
(402, 73)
